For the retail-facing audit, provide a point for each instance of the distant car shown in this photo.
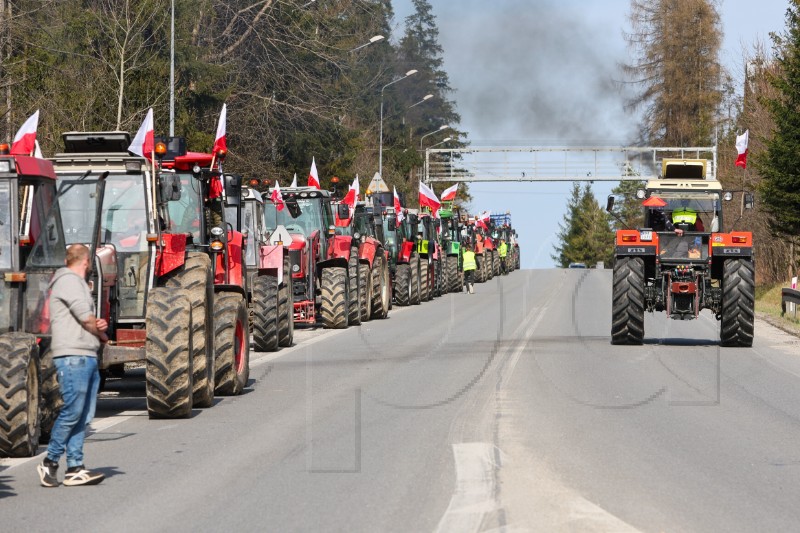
(577, 265)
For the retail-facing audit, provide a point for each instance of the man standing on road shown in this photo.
(469, 267)
(76, 337)
(502, 251)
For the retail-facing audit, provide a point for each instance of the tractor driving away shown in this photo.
(681, 261)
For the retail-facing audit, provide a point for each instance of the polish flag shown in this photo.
(313, 176)
(145, 140)
(220, 145)
(25, 139)
(352, 194)
(37, 152)
(427, 198)
(397, 207)
(277, 197)
(741, 149)
(294, 181)
(449, 194)
(481, 219)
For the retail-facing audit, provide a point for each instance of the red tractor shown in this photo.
(269, 283)
(430, 257)
(681, 261)
(408, 267)
(172, 272)
(319, 257)
(32, 248)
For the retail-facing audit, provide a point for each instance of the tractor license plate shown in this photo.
(646, 235)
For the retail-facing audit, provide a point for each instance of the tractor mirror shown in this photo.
(748, 200)
(233, 189)
(391, 223)
(170, 188)
(343, 211)
(292, 206)
(610, 203)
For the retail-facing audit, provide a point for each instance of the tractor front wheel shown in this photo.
(334, 308)
(286, 306)
(265, 313)
(404, 285)
(738, 302)
(627, 305)
(233, 344)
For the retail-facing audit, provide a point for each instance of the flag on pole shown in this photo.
(741, 149)
(449, 194)
(37, 152)
(351, 197)
(277, 197)
(427, 198)
(145, 140)
(220, 144)
(25, 139)
(313, 176)
(397, 207)
(294, 181)
(480, 220)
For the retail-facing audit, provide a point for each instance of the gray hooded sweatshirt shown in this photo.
(70, 304)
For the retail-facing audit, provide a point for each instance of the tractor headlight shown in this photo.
(295, 268)
(216, 231)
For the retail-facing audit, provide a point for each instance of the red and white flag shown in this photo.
(397, 207)
(25, 139)
(277, 197)
(145, 140)
(741, 149)
(427, 198)
(352, 195)
(480, 220)
(294, 181)
(220, 144)
(313, 176)
(449, 194)
(37, 152)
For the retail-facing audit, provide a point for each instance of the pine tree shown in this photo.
(585, 235)
(676, 43)
(780, 164)
(627, 208)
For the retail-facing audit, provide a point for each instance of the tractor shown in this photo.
(681, 261)
(451, 249)
(501, 229)
(431, 270)
(269, 283)
(32, 247)
(169, 277)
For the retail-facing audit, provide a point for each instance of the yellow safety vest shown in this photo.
(502, 250)
(684, 216)
(469, 261)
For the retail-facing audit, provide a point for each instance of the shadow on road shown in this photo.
(681, 342)
(5, 489)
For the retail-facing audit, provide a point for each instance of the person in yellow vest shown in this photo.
(684, 218)
(470, 265)
(502, 251)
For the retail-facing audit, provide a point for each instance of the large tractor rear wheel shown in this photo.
(416, 289)
(424, 280)
(381, 287)
(50, 393)
(365, 299)
(496, 262)
(445, 276)
(19, 395)
(196, 278)
(453, 275)
(265, 313)
(286, 306)
(233, 344)
(738, 301)
(334, 307)
(627, 301)
(403, 290)
(480, 271)
(356, 289)
(168, 353)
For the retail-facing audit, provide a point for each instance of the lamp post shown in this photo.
(431, 133)
(172, 73)
(373, 39)
(424, 99)
(380, 145)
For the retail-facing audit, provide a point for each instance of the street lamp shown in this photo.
(442, 142)
(427, 166)
(424, 99)
(374, 39)
(380, 145)
(431, 133)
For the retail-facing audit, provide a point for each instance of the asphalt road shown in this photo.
(506, 410)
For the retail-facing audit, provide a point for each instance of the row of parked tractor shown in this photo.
(190, 262)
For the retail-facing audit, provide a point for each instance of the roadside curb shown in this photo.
(782, 325)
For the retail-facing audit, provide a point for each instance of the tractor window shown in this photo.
(123, 221)
(185, 214)
(248, 225)
(78, 203)
(49, 248)
(309, 220)
(6, 233)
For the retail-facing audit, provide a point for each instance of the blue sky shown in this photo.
(542, 72)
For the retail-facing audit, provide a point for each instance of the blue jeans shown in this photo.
(79, 381)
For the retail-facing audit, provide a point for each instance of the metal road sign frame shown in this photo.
(587, 163)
